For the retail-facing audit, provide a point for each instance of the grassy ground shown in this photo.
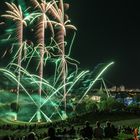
(118, 119)
(115, 117)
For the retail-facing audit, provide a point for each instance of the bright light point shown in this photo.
(38, 116)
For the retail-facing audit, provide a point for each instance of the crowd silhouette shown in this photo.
(87, 131)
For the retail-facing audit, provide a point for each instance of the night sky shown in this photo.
(108, 31)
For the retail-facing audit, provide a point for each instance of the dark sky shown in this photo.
(109, 30)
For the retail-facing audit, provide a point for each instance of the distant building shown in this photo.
(122, 88)
(114, 88)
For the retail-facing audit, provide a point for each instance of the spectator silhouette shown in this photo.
(72, 131)
(108, 131)
(114, 131)
(51, 134)
(87, 131)
(98, 131)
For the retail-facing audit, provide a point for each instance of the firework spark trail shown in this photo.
(67, 58)
(38, 106)
(56, 108)
(33, 77)
(32, 117)
(55, 92)
(26, 55)
(43, 21)
(10, 74)
(26, 49)
(83, 73)
(15, 13)
(97, 77)
(15, 57)
(59, 65)
(58, 13)
(49, 98)
(107, 91)
(30, 57)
